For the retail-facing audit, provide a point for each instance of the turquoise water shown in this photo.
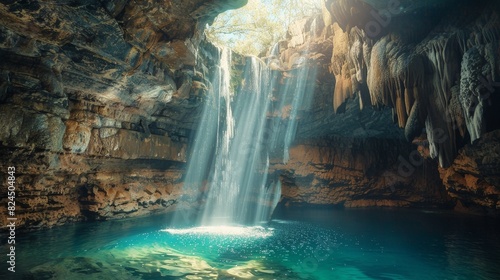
(302, 244)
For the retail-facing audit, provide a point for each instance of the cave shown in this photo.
(359, 141)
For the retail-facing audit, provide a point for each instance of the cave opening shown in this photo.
(260, 24)
(253, 109)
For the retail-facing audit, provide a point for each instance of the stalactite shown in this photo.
(349, 13)
(400, 74)
(340, 68)
(358, 57)
(415, 123)
(473, 68)
(395, 76)
(421, 72)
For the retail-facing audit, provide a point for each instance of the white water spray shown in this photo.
(234, 143)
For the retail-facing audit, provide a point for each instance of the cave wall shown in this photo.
(473, 178)
(98, 100)
(429, 67)
(359, 172)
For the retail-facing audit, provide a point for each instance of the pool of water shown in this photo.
(299, 244)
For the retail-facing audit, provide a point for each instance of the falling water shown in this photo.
(296, 88)
(295, 94)
(228, 153)
(235, 139)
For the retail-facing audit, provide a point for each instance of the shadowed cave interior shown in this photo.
(362, 143)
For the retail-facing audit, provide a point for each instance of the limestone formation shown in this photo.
(437, 76)
(99, 101)
(358, 172)
(474, 178)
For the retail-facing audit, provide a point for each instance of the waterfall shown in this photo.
(236, 137)
(237, 187)
(275, 50)
(297, 90)
(295, 94)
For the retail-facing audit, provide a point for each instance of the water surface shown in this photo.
(300, 244)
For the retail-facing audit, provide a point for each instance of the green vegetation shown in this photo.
(252, 29)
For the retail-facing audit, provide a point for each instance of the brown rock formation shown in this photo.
(455, 60)
(98, 99)
(437, 76)
(474, 177)
(358, 172)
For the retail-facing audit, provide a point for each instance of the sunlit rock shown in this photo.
(100, 83)
(93, 92)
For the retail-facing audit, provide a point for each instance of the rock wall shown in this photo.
(430, 67)
(98, 100)
(473, 178)
(358, 172)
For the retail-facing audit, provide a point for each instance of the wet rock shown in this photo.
(99, 100)
(454, 59)
(474, 177)
(359, 173)
(438, 78)
(89, 96)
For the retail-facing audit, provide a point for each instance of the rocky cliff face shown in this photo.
(428, 66)
(358, 172)
(98, 99)
(473, 178)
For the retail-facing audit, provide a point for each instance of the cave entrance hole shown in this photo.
(257, 26)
